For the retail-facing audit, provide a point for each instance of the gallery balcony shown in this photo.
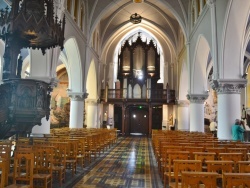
(161, 96)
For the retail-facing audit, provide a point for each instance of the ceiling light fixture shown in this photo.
(138, 1)
(135, 18)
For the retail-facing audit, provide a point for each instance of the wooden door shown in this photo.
(139, 120)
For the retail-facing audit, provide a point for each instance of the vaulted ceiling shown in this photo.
(165, 17)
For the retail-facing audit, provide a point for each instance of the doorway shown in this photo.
(138, 123)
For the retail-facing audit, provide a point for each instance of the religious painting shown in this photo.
(60, 102)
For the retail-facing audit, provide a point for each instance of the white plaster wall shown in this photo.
(233, 39)
(40, 64)
(43, 129)
(203, 28)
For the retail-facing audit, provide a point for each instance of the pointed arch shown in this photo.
(233, 38)
(73, 65)
(183, 85)
(91, 86)
(199, 68)
(91, 83)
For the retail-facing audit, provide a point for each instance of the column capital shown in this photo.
(183, 103)
(197, 98)
(229, 86)
(76, 96)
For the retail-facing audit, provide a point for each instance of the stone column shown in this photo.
(76, 110)
(183, 115)
(197, 111)
(229, 105)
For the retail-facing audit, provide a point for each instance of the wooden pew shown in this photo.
(235, 180)
(204, 156)
(185, 165)
(195, 179)
(244, 166)
(220, 166)
(169, 165)
(235, 157)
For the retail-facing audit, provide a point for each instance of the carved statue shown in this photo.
(170, 119)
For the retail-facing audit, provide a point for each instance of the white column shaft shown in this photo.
(229, 109)
(197, 117)
(183, 118)
(76, 114)
(92, 115)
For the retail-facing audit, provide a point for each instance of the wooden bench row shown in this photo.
(189, 173)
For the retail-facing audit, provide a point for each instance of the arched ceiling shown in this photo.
(165, 16)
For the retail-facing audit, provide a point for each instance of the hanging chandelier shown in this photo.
(135, 18)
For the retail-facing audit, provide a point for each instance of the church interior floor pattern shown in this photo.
(128, 164)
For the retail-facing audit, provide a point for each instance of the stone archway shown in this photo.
(75, 88)
(198, 84)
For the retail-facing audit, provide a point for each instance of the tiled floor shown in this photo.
(130, 163)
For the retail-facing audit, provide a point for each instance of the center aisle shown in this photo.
(130, 163)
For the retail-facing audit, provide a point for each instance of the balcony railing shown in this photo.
(161, 95)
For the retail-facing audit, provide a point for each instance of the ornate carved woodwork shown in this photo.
(138, 73)
(23, 103)
(28, 24)
(137, 56)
